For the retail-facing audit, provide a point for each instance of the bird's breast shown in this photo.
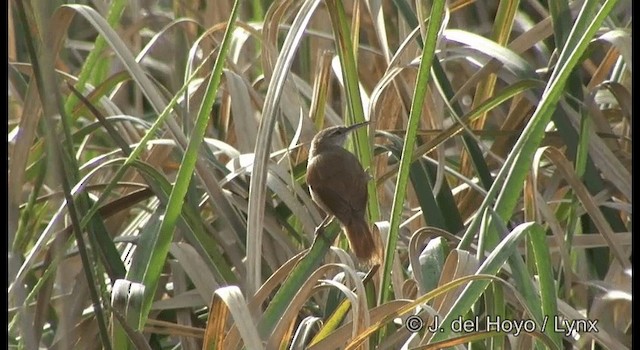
(338, 183)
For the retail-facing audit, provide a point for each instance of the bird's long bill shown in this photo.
(356, 126)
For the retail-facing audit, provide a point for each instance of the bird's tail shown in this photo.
(366, 245)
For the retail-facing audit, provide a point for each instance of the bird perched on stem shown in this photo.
(338, 184)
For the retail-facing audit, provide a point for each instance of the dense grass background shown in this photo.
(157, 157)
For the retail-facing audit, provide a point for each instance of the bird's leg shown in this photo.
(319, 232)
(367, 171)
(323, 224)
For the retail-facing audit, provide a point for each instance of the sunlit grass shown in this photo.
(157, 158)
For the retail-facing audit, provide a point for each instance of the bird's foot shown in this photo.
(320, 229)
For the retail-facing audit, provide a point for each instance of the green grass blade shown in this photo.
(546, 277)
(176, 199)
(257, 188)
(428, 54)
(95, 60)
(509, 182)
(355, 110)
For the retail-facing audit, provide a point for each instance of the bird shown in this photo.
(338, 185)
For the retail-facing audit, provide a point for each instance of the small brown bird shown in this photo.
(338, 185)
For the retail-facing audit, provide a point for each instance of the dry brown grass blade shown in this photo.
(589, 241)
(519, 113)
(44, 298)
(424, 234)
(621, 39)
(605, 157)
(136, 337)
(546, 215)
(117, 205)
(623, 97)
(11, 34)
(186, 300)
(195, 267)
(277, 246)
(612, 123)
(321, 89)
(82, 335)
(566, 170)
(459, 263)
(19, 155)
(613, 308)
(175, 329)
(183, 315)
(377, 13)
(541, 31)
(230, 300)
(343, 334)
(245, 123)
(604, 68)
(232, 339)
(602, 336)
(50, 304)
(358, 302)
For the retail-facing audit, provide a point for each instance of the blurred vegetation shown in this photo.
(156, 174)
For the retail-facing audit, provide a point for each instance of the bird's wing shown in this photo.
(332, 184)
